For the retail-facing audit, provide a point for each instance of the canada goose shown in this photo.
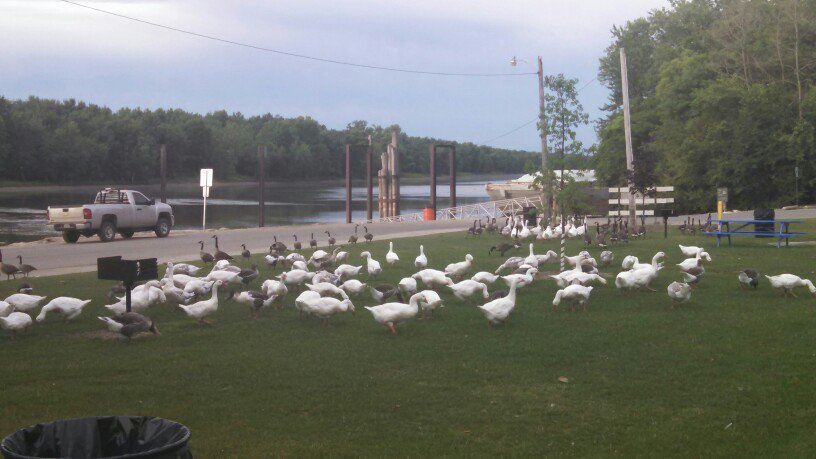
(277, 246)
(480, 229)
(353, 237)
(472, 230)
(130, 324)
(7, 269)
(249, 275)
(368, 236)
(297, 243)
(331, 239)
(205, 256)
(313, 242)
(502, 248)
(245, 253)
(491, 226)
(219, 255)
(24, 269)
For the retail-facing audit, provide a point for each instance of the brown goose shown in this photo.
(297, 243)
(219, 255)
(331, 239)
(353, 237)
(130, 324)
(245, 253)
(205, 256)
(7, 269)
(313, 242)
(368, 236)
(249, 275)
(277, 246)
(24, 269)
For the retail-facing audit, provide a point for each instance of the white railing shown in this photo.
(490, 209)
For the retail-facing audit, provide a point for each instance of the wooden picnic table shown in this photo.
(726, 230)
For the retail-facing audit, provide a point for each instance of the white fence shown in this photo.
(640, 202)
(490, 209)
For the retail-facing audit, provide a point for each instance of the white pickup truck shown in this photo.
(113, 211)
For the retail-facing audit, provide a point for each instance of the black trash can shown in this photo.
(100, 437)
(530, 215)
(764, 214)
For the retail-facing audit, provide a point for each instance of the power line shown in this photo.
(291, 54)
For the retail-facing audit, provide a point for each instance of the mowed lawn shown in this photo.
(729, 374)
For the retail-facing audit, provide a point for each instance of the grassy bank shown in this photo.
(730, 373)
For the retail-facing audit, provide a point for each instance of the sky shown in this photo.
(53, 49)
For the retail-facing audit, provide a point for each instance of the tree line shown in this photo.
(70, 142)
(722, 95)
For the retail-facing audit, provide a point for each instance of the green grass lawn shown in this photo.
(728, 374)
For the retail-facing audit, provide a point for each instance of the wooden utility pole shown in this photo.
(627, 129)
(544, 150)
(261, 185)
(163, 172)
(369, 184)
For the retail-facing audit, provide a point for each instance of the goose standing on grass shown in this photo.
(421, 261)
(347, 271)
(461, 268)
(547, 257)
(305, 300)
(8, 270)
(429, 302)
(607, 257)
(5, 309)
(679, 292)
(690, 263)
(325, 307)
(353, 287)
(245, 253)
(173, 294)
(25, 287)
(342, 257)
(255, 300)
(432, 278)
(297, 244)
(383, 292)
(325, 276)
(467, 289)
(511, 263)
(206, 257)
(197, 287)
(521, 280)
(70, 308)
(690, 251)
(691, 279)
(573, 294)
(353, 238)
(498, 310)
(249, 275)
(390, 314)
(203, 309)
(748, 278)
(23, 268)
(332, 240)
(183, 268)
(218, 254)
(130, 324)
(327, 289)
(295, 277)
(407, 287)
(312, 242)
(391, 257)
(15, 322)
(485, 277)
(502, 248)
(368, 236)
(531, 259)
(788, 282)
(372, 266)
(24, 302)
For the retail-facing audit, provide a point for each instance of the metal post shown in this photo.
(261, 177)
(369, 184)
(433, 176)
(348, 183)
(452, 166)
(627, 129)
(163, 171)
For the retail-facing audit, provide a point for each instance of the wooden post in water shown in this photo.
(452, 166)
(261, 184)
(348, 183)
(163, 171)
(433, 177)
(395, 185)
(627, 130)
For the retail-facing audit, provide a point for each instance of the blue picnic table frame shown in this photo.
(725, 230)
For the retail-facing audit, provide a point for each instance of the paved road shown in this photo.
(57, 257)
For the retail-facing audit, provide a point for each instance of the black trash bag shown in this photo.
(764, 214)
(100, 437)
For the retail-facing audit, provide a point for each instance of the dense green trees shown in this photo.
(722, 94)
(68, 141)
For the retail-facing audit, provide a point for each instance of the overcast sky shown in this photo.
(56, 50)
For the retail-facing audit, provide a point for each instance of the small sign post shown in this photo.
(722, 200)
(205, 183)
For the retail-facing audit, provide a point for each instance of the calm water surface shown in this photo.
(233, 205)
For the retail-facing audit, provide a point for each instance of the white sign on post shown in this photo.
(205, 182)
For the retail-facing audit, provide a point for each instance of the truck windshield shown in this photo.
(111, 197)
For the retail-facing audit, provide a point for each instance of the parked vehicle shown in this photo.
(113, 211)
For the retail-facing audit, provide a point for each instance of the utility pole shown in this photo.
(542, 119)
(163, 172)
(627, 129)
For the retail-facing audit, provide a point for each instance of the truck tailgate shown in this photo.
(65, 215)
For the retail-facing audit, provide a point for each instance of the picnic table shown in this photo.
(725, 230)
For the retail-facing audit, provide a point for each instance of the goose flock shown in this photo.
(328, 283)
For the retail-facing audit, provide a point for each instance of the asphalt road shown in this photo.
(56, 257)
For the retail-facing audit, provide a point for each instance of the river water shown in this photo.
(230, 205)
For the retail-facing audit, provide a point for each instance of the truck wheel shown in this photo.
(107, 232)
(126, 234)
(70, 236)
(162, 227)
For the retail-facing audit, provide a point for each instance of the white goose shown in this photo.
(353, 287)
(574, 294)
(607, 257)
(203, 309)
(692, 251)
(433, 278)
(228, 277)
(430, 302)
(485, 277)
(525, 232)
(531, 259)
(304, 301)
(295, 277)
(5, 309)
(547, 257)
(69, 307)
(511, 263)
(407, 286)
(183, 268)
(641, 277)
(372, 266)
(679, 292)
(327, 289)
(520, 280)
(15, 322)
(421, 261)
(341, 256)
(461, 268)
(272, 287)
(468, 289)
(690, 263)
(581, 278)
(391, 257)
(498, 310)
(347, 271)
(788, 282)
(197, 287)
(390, 314)
(325, 307)
(141, 300)
(174, 294)
(24, 302)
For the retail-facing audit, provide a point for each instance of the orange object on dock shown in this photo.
(429, 214)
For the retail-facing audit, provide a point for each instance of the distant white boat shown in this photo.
(523, 186)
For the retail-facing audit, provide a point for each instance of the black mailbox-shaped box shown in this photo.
(127, 271)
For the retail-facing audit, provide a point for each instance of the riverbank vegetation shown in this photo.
(722, 95)
(49, 141)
